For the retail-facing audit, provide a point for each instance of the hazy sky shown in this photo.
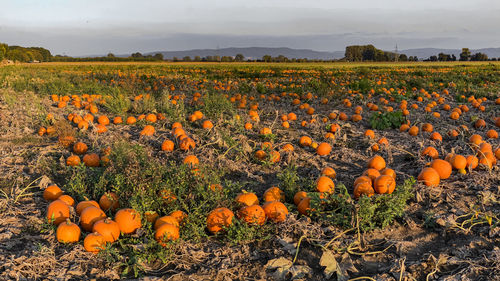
(90, 27)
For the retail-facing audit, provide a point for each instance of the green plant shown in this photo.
(382, 121)
(381, 210)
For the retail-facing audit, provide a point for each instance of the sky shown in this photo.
(98, 27)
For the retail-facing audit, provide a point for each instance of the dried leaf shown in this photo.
(331, 266)
(281, 267)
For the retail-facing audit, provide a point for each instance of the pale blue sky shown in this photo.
(122, 26)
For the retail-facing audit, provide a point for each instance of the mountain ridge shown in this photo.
(259, 52)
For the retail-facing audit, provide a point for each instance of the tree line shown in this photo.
(23, 54)
(465, 55)
(355, 53)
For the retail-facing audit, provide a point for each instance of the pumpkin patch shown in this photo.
(148, 163)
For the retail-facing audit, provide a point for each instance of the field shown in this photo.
(250, 171)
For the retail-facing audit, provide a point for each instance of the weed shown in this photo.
(382, 121)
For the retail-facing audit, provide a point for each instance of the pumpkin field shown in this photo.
(250, 171)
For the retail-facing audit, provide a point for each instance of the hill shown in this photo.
(253, 53)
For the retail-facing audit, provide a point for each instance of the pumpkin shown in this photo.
(389, 172)
(167, 146)
(151, 118)
(325, 184)
(191, 161)
(108, 228)
(372, 174)
(151, 216)
(458, 162)
(324, 149)
(131, 120)
(57, 212)
(363, 188)
(67, 199)
(94, 242)
(89, 216)
(304, 206)
(80, 148)
(370, 134)
(84, 204)
(274, 194)
(384, 184)
(52, 192)
(68, 232)
(413, 131)
(103, 120)
(305, 141)
(147, 131)
(362, 179)
(247, 199)
(265, 131)
(91, 160)
(298, 197)
(187, 144)
(117, 120)
(109, 200)
(179, 215)
(129, 220)
(218, 219)
(252, 215)
(166, 220)
(472, 162)
(376, 162)
(329, 172)
(443, 168)
(275, 211)
(73, 160)
(166, 232)
(207, 124)
(431, 152)
(429, 176)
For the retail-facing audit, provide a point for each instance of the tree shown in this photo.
(158, 56)
(444, 57)
(479, 57)
(197, 58)
(239, 57)
(433, 58)
(3, 51)
(465, 54)
(137, 55)
(110, 55)
(186, 58)
(267, 58)
(403, 57)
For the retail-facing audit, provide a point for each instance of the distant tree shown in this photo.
(137, 55)
(433, 58)
(479, 57)
(465, 54)
(444, 57)
(158, 56)
(17, 55)
(175, 59)
(403, 57)
(3, 51)
(110, 55)
(239, 57)
(227, 59)
(266, 58)
(197, 58)
(281, 58)
(186, 58)
(453, 57)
